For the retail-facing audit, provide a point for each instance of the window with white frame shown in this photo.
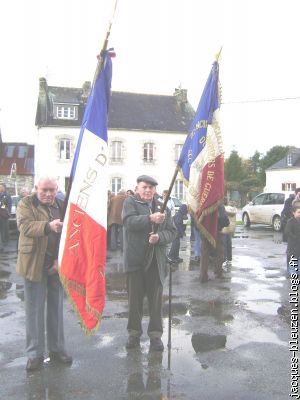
(178, 149)
(65, 149)
(116, 150)
(148, 152)
(179, 189)
(289, 160)
(116, 184)
(66, 112)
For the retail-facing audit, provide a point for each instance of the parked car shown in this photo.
(265, 209)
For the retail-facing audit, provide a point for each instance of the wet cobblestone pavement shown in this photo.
(229, 336)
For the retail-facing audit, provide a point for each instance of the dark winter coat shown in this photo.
(179, 217)
(292, 232)
(137, 227)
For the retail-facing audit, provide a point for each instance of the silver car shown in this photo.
(265, 209)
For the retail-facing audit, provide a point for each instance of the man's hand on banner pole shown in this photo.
(157, 218)
(56, 225)
(153, 238)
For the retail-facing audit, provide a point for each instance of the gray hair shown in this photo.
(46, 178)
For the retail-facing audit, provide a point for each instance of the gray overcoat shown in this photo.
(138, 254)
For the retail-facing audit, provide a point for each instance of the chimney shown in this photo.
(43, 86)
(181, 97)
(85, 90)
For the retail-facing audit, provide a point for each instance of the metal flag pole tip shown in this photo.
(218, 55)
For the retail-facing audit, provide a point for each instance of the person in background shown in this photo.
(292, 232)
(5, 205)
(110, 195)
(114, 220)
(60, 195)
(145, 260)
(130, 192)
(287, 212)
(25, 191)
(180, 216)
(170, 203)
(197, 243)
(227, 234)
(38, 220)
(208, 250)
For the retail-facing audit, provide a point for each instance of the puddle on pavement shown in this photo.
(4, 274)
(203, 342)
(243, 332)
(263, 307)
(4, 288)
(104, 341)
(213, 309)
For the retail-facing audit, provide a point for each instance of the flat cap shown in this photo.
(147, 179)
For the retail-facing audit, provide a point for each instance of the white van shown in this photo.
(265, 209)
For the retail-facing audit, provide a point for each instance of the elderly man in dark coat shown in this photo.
(114, 220)
(147, 232)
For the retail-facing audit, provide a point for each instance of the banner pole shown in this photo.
(97, 72)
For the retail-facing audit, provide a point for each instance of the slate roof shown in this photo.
(295, 160)
(129, 111)
(22, 154)
(134, 111)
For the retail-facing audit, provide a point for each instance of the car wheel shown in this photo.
(246, 220)
(276, 223)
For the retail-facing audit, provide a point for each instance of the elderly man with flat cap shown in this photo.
(147, 232)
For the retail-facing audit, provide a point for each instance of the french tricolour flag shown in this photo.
(82, 252)
(201, 161)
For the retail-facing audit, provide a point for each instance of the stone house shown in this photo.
(146, 133)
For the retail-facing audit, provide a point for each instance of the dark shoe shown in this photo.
(156, 344)
(61, 357)
(132, 342)
(204, 279)
(219, 274)
(34, 363)
(195, 261)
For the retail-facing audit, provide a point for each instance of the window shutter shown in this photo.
(283, 187)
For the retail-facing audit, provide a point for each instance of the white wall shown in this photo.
(275, 178)
(47, 160)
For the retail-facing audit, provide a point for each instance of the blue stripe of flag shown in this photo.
(208, 103)
(96, 110)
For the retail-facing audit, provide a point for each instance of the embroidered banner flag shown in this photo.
(201, 161)
(82, 252)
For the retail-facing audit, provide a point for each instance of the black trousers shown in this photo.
(141, 284)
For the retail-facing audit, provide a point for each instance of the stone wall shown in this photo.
(21, 181)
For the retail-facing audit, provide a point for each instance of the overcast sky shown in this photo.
(160, 44)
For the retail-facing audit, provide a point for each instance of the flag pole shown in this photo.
(170, 272)
(155, 229)
(99, 67)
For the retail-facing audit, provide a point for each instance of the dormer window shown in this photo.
(289, 160)
(65, 111)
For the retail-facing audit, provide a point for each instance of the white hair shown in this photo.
(46, 178)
